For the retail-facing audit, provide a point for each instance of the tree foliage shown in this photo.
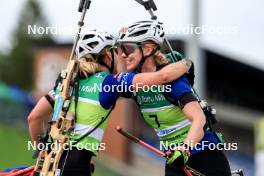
(17, 67)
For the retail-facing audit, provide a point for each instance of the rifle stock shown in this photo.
(62, 121)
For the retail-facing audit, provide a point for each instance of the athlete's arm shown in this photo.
(183, 95)
(165, 75)
(120, 63)
(39, 117)
(194, 113)
(41, 114)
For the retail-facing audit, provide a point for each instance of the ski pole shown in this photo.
(136, 140)
(188, 170)
(150, 6)
(83, 7)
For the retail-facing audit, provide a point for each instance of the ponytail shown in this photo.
(88, 65)
(160, 58)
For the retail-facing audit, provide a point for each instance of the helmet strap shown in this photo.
(101, 62)
(113, 60)
(144, 58)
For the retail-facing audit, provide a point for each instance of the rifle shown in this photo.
(62, 122)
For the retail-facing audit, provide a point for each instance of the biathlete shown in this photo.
(175, 115)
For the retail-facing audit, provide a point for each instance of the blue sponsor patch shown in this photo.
(165, 132)
(57, 109)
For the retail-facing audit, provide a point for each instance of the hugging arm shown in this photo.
(165, 75)
(194, 113)
(183, 95)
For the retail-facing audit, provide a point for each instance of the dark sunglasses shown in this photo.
(129, 48)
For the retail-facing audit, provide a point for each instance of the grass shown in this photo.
(13, 147)
(13, 150)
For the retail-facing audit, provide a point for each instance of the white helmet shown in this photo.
(93, 42)
(142, 31)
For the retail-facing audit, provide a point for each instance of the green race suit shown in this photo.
(89, 113)
(168, 120)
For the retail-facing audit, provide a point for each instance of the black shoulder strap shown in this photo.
(171, 100)
(76, 95)
(97, 126)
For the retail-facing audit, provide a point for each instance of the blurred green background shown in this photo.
(14, 150)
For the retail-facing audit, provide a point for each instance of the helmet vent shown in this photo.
(145, 26)
(155, 31)
(88, 36)
(132, 26)
(81, 49)
(138, 33)
(122, 36)
(144, 22)
(131, 30)
(93, 44)
(108, 38)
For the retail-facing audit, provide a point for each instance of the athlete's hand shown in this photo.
(178, 158)
(119, 60)
(123, 30)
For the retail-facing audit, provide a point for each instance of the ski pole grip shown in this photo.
(87, 4)
(84, 4)
(80, 8)
(153, 5)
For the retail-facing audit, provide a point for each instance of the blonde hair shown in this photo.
(88, 65)
(160, 58)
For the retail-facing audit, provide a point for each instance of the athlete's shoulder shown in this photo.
(183, 80)
(179, 87)
(125, 78)
(101, 74)
(109, 80)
